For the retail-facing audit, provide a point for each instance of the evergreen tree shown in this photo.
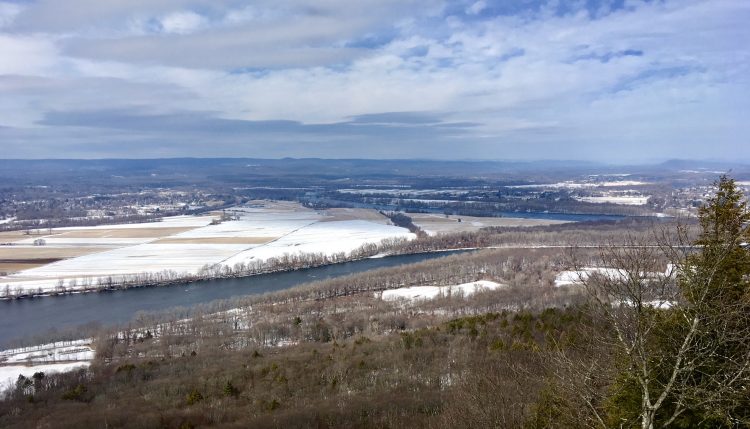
(716, 286)
(685, 364)
(723, 263)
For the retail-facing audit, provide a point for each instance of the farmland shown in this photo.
(75, 257)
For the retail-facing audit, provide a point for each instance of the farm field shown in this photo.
(76, 257)
(434, 224)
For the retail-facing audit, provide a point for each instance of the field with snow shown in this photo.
(434, 224)
(417, 293)
(46, 358)
(628, 200)
(185, 244)
(578, 277)
(403, 192)
(581, 185)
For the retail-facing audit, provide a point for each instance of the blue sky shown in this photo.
(615, 81)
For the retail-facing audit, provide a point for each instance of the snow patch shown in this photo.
(9, 374)
(625, 200)
(416, 293)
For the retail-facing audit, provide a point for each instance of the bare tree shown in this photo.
(677, 320)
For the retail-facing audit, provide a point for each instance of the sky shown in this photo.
(616, 81)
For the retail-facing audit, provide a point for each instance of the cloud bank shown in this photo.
(607, 80)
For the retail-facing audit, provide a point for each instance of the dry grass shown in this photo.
(338, 214)
(19, 258)
(124, 232)
(12, 267)
(215, 240)
(46, 252)
(13, 236)
(442, 224)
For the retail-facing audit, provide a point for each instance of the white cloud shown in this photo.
(651, 76)
(27, 55)
(184, 22)
(8, 13)
(476, 7)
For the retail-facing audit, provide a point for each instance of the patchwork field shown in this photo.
(214, 240)
(629, 200)
(122, 232)
(81, 257)
(7, 237)
(77, 257)
(18, 258)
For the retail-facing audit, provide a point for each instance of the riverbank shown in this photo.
(34, 318)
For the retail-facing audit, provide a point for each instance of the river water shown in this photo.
(30, 317)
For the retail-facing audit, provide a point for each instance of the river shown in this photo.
(35, 316)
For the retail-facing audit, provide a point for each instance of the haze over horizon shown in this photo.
(598, 80)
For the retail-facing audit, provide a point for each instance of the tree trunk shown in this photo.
(647, 420)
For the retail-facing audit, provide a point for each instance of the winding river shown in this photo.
(35, 316)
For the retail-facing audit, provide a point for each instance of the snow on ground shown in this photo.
(255, 224)
(247, 228)
(403, 192)
(47, 358)
(167, 222)
(9, 374)
(580, 185)
(271, 229)
(576, 277)
(415, 293)
(85, 242)
(565, 278)
(79, 350)
(422, 200)
(622, 183)
(624, 199)
(323, 237)
(119, 234)
(656, 303)
(133, 259)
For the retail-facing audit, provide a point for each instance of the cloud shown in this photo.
(476, 7)
(182, 22)
(8, 13)
(402, 124)
(502, 79)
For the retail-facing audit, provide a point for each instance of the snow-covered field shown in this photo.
(323, 237)
(9, 374)
(581, 185)
(62, 351)
(46, 358)
(629, 200)
(404, 192)
(565, 278)
(185, 244)
(416, 293)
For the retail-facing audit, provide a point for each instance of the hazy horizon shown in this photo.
(574, 162)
